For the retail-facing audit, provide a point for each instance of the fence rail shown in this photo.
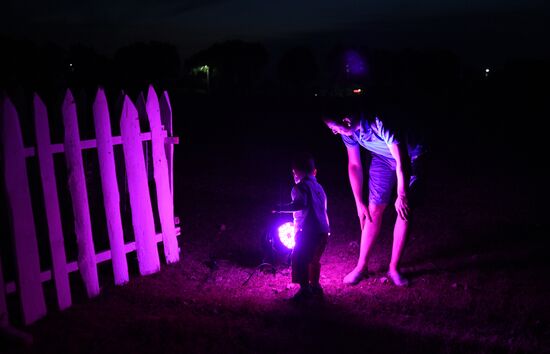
(29, 275)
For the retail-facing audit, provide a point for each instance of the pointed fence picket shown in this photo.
(109, 183)
(33, 305)
(164, 196)
(140, 200)
(51, 201)
(4, 316)
(29, 276)
(79, 196)
(166, 120)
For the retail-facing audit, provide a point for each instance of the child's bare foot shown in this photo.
(303, 295)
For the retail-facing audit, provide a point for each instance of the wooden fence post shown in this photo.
(109, 183)
(166, 120)
(162, 181)
(51, 204)
(29, 276)
(19, 199)
(79, 195)
(142, 116)
(140, 200)
(4, 316)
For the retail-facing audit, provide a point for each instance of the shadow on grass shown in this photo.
(284, 328)
(505, 247)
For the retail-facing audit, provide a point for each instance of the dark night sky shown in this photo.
(483, 31)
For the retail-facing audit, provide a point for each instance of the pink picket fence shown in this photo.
(28, 281)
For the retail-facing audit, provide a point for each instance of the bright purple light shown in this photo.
(355, 65)
(286, 234)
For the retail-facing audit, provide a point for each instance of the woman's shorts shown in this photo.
(382, 180)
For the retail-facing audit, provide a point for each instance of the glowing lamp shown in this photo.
(279, 240)
(287, 235)
(357, 90)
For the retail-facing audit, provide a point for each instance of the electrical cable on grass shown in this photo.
(274, 271)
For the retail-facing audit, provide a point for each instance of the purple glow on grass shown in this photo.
(355, 65)
(286, 234)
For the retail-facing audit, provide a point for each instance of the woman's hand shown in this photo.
(363, 213)
(402, 206)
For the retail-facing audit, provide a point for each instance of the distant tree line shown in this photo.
(28, 65)
(239, 68)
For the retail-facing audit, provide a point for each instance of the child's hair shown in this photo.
(303, 162)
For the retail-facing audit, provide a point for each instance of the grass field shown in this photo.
(477, 260)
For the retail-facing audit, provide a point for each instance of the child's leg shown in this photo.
(299, 270)
(299, 263)
(314, 273)
(315, 264)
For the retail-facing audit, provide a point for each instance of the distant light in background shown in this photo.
(203, 69)
(357, 91)
(487, 72)
(287, 235)
(355, 65)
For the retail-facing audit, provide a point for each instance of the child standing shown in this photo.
(309, 208)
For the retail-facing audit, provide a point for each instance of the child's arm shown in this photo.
(290, 207)
(298, 202)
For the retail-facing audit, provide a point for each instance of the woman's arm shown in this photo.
(402, 171)
(355, 172)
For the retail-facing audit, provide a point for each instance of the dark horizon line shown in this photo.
(275, 47)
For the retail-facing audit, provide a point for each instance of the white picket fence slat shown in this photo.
(101, 257)
(92, 144)
(51, 204)
(140, 200)
(79, 197)
(29, 276)
(164, 196)
(4, 315)
(33, 305)
(166, 120)
(109, 183)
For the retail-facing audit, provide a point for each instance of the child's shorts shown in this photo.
(307, 252)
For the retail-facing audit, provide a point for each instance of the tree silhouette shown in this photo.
(143, 63)
(298, 70)
(87, 68)
(235, 67)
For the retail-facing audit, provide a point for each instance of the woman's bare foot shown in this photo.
(355, 276)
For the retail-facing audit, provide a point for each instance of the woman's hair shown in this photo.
(334, 119)
(333, 109)
(385, 106)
